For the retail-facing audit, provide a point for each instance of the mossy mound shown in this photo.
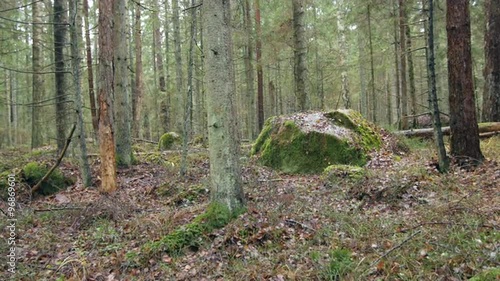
(310, 142)
(336, 174)
(33, 172)
(169, 141)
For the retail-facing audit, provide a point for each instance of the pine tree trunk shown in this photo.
(106, 133)
(90, 74)
(463, 123)
(341, 14)
(63, 117)
(123, 121)
(178, 101)
(411, 77)
(491, 96)
(249, 74)
(299, 53)
(397, 72)
(38, 91)
(260, 79)
(221, 98)
(138, 95)
(373, 98)
(402, 46)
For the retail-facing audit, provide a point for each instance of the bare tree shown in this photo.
(299, 51)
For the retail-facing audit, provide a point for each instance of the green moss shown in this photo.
(487, 275)
(264, 135)
(335, 174)
(168, 141)
(367, 132)
(293, 151)
(191, 236)
(34, 172)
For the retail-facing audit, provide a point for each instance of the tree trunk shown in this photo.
(221, 93)
(397, 71)
(433, 100)
(189, 104)
(411, 76)
(75, 63)
(177, 109)
(138, 95)
(402, 46)
(363, 104)
(483, 128)
(260, 79)
(341, 14)
(463, 122)
(63, 117)
(106, 134)
(491, 96)
(90, 74)
(299, 53)
(38, 92)
(122, 85)
(249, 74)
(373, 99)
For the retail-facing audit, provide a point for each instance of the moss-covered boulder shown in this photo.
(33, 172)
(310, 142)
(169, 141)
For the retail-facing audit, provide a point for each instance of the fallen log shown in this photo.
(484, 128)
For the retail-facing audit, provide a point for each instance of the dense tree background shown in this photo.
(367, 55)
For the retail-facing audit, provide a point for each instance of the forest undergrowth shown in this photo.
(401, 221)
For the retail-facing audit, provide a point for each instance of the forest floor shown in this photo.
(402, 221)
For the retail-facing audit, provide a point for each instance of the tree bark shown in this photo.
(491, 96)
(433, 100)
(258, 58)
(373, 98)
(138, 95)
(90, 71)
(38, 91)
(225, 171)
(60, 19)
(341, 14)
(411, 76)
(80, 126)
(122, 95)
(178, 108)
(299, 53)
(249, 74)
(106, 91)
(402, 46)
(463, 122)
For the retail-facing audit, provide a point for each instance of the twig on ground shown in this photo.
(293, 222)
(57, 209)
(395, 247)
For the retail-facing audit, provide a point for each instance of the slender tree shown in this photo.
(138, 96)
(90, 68)
(249, 73)
(491, 96)
(106, 91)
(373, 99)
(299, 53)
(123, 122)
(260, 76)
(60, 20)
(179, 82)
(221, 90)
(75, 63)
(402, 51)
(341, 15)
(38, 91)
(433, 100)
(463, 122)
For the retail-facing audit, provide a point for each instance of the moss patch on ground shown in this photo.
(33, 172)
(309, 142)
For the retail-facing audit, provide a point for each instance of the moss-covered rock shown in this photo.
(487, 275)
(169, 141)
(33, 172)
(310, 142)
(336, 174)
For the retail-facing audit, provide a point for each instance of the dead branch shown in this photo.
(63, 152)
(395, 247)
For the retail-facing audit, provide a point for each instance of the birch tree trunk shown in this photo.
(221, 100)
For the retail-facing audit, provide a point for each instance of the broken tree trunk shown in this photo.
(428, 132)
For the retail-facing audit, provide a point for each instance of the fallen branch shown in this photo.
(144, 140)
(57, 209)
(68, 140)
(493, 127)
(395, 247)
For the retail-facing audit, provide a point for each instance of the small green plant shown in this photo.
(487, 275)
(340, 263)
